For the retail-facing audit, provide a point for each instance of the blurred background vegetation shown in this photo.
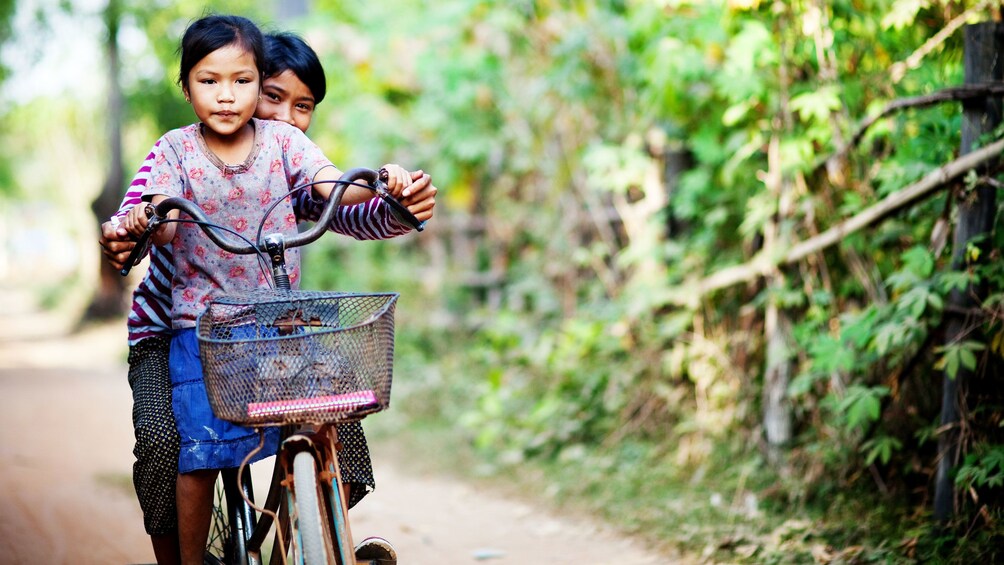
(609, 299)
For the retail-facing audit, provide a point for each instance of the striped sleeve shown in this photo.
(134, 194)
(150, 314)
(370, 220)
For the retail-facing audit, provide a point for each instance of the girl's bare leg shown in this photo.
(195, 507)
(165, 548)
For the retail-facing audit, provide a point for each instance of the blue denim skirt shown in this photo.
(206, 441)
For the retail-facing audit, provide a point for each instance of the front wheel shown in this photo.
(312, 523)
(219, 547)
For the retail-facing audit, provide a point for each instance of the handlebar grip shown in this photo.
(400, 210)
(136, 254)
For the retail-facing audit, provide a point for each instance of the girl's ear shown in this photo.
(188, 97)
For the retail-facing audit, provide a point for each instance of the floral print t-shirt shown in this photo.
(233, 196)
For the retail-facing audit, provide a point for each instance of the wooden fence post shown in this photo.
(984, 44)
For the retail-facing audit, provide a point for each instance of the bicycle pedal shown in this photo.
(375, 551)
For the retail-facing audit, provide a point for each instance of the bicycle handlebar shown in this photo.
(374, 179)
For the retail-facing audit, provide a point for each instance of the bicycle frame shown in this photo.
(250, 525)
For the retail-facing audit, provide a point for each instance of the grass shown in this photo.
(710, 499)
(733, 508)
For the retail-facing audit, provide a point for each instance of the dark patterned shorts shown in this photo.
(156, 469)
(354, 461)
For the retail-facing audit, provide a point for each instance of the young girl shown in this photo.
(230, 164)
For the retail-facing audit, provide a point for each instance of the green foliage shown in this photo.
(540, 316)
(880, 449)
(6, 14)
(530, 123)
(982, 469)
(861, 406)
(962, 354)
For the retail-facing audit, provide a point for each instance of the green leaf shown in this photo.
(955, 355)
(735, 113)
(984, 469)
(817, 105)
(954, 280)
(831, 355)
(968, 359)
(918, 260)
(862, 405)
(881, 448)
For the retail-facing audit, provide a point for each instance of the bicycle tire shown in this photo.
(312, 523)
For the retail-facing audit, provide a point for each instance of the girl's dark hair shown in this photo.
(210, 33)
(286, 51)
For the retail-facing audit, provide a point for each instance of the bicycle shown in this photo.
(303, 360)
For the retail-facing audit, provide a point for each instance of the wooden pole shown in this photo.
(984, 44)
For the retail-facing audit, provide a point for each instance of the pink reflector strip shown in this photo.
(349, 402)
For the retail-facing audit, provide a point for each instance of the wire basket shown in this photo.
(297, 357)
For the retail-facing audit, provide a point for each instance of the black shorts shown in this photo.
(155, 471)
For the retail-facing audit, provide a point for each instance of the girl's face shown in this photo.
(287, 99)
(224, 89)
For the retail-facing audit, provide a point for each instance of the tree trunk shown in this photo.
(983, 45)
(108, 300)
(676, 162)
(777, 413)
(777, 410)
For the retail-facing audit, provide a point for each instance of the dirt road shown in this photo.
(66, 491)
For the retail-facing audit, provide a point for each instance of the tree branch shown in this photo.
(898, 71)
(955, 93)
(762, 264)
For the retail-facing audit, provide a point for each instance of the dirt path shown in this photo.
(66, 491)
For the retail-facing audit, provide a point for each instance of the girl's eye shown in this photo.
(272, 96)
(304, 108)
(208, 81)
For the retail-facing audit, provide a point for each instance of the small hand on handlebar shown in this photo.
(116, 243)
(419, 196)
(137, 220)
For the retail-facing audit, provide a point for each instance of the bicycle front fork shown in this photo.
(323, 445)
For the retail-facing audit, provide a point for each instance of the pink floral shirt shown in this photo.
(233, 196)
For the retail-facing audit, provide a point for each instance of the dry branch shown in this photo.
(762, 264)
(953, 94)
(898, 71)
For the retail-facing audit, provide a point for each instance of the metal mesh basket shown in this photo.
(294, 357)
